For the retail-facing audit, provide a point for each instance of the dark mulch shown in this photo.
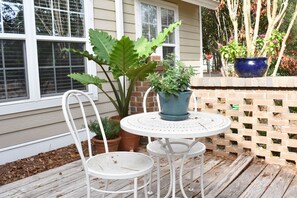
(20, 169)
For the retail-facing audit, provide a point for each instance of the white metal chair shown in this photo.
(109, 165)
(155, 150)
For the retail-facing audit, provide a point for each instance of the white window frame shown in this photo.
(35, 101)
(159, 4)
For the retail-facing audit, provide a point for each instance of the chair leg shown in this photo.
(158, 178)
(150, 192)
(191, 187)
(145, 186)
(201, 175)
(135, 187)
(88, 186)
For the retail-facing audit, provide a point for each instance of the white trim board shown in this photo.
(20, 151)
(210, 4)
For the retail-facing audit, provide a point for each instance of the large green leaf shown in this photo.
(142, 47)
(102, 44)
(123, 57)
(85, 54)
(140, 73)
(87, 79)
(145, 48)
(161, 37)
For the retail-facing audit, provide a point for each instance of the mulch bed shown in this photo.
(26, 167)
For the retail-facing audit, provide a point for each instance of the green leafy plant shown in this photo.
(232, 50)
(175, 79)
(111, 127)
(123, 57)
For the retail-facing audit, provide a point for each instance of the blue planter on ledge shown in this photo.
(250, 67)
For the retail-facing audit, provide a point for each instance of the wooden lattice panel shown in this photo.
(264, 123)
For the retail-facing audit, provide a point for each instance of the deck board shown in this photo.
(222, 178)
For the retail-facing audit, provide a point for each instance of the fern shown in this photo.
(87, 79)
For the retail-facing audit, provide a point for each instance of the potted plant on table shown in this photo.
(125, 59)
(173, 89)
(112, 132)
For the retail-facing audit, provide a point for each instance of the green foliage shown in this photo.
(232, 50)
(125, 58)
(175, 78)
(87, 79)
(145, 48)
(102, 44)
(111, 128)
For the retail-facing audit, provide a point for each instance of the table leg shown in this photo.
(171, 156)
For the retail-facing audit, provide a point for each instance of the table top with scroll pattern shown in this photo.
(199, 124)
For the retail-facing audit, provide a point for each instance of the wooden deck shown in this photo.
(222, 178)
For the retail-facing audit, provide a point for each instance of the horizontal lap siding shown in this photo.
(28, 126)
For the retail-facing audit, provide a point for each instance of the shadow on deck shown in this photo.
(222, 178)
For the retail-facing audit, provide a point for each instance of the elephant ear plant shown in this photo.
(124, 58)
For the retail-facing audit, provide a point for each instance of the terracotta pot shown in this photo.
(129, 141)
(98, 145)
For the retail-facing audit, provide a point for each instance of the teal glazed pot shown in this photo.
(173, 107)
(250, 67)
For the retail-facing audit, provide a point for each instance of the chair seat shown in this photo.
(154, 148)
(119, 165)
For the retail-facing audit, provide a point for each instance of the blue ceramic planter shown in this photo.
(250, 67)
(175, 107)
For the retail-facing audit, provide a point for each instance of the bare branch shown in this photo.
(284, 42)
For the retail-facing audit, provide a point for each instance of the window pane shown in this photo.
(167, 17)
(77, 60)
(55, 65)
(12, 17)
(43, 3)
(167, 51)
(63, 82)
(43, 21)
(13, 53)
(77, 25)
(16, 84)
(61, 23)
(149, 21)
(13, 81)
(45, 54)
(61, 57)
(76, 84)
(60, 4)
(47, 81)
(61, 18)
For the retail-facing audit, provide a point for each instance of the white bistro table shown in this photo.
(199, 124)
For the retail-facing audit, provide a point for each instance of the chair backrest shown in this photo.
(77, 118)
(144, 103)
